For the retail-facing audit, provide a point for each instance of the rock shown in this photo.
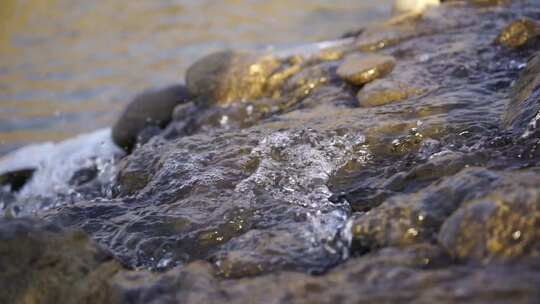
(193, 283)
(41, 263)
(392, 275)
(519, 33)
(407, 219)
(359, 69)
(381, 92)
(151, 108)
(502, 226)
(521, 115)
(225, 77)
(15, 180)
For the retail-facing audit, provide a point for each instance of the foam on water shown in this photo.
(55, 164)
(295, 167)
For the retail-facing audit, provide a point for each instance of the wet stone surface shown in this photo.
(283, 181)
(361, 69)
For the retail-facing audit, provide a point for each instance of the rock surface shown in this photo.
(519, 33)
(151, 108)
(361, 69)
(228, 76)
(41, 263)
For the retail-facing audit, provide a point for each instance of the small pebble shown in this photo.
(359, 69)
(519, 33)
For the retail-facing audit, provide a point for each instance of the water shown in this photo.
(323, 179)
(68, 67)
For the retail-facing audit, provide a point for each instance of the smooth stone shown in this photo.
(151, 108)
(226, 77)
(359, 69)
(381, 92)
(519, 33)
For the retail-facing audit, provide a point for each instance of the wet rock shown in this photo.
(151, 108)
(502, 226)
(359, 69)
(225, 77)
(249, 191)
(258, 252)
(193, 283)
(381, 92)
(519, 33)
(15, 180)
(521, 115)
(41, 263)
(411, 275)
(407, 219)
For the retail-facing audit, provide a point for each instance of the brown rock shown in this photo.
(383, 92)
(503, 226)
(359, 69)
(227, 76)
(41, 263)
(519, 33)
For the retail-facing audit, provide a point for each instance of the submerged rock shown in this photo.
(359, 69)
(151, 108)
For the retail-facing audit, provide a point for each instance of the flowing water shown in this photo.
(68, 67)
(423, 176)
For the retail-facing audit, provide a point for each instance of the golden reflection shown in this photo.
(90, 57)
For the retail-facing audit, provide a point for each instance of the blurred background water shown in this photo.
(70, 66)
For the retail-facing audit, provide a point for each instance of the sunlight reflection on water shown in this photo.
(68, 67)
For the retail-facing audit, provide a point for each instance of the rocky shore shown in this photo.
(399, 164)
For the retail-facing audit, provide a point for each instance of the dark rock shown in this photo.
(151, 108)
(41, 263)
(15, 180)
(391, 275)
(193, 283)
(359, 69)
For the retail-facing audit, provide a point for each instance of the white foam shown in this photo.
(55, 163)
